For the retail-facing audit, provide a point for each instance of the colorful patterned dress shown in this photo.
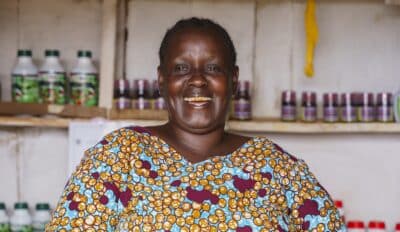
(133, 181)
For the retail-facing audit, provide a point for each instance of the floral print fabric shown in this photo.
(133, 181)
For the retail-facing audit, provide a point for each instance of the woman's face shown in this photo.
(197, 80)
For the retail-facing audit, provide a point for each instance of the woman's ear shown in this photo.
(160, 81)
(235, 79)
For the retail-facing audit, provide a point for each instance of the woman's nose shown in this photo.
(198, 79)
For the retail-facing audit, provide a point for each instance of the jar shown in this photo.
(355, 226)
(366, 109)
(141, 95)
(242, 102)
(158, 102)
(376, 226)
(348, 107)
(331, 107)
(384, 107)
(121, 94)
(288, 110)
(309, 107)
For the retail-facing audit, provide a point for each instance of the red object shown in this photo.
(397, 227)
(355, 225)
(339, 204)
(376, 225)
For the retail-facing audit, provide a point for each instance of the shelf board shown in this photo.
(29, 121)
(277, 126)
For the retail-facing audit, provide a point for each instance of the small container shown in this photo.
(384, 107)
(41, 217)
(122, 99)
(288, 110)
(376, 226)
(308, 107)
(21, 219)
(355, 226)
(366, 109)
(339, 206)
(141, 95)
(348, 107)
(158, 102)
(4, 219)
(331, 107)
(242, 102)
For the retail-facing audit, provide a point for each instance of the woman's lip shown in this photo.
(197, 99)
(198, 104)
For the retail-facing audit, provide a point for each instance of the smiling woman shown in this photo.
(189, 174)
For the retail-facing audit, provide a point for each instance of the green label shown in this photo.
(25, 89)
(84, 89)
(5, 227)
(52, 88)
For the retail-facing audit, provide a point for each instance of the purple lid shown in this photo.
(244, 85)
(331, 99)
(356, 98)
(309, 98)
(121, 84)
(384, 99)
(288, 96)
(367, 99)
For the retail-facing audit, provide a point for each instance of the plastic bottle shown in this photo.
(348, 107)
(141, 95)
(288, 110)
(121, 94)
(25, 82)
(41, 217)
(309, 107)
(396, 106)
(4, 220)
(21, 220)
(242, 102)
(158, 102)
(331, 107)
(376, 226)
(84, 82)
(355, 226)
(52, 79)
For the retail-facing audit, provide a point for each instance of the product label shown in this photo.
(331, 114)
(288, 113)
(25, 89)
(141, 103)
(309, 114)
(242, 109)
(21, 228)
(5, 227)
(122, 103)
(84, 89)
(52, 88)
(366, 114)
(384, 113)
(348, 114)
(159, 104)
(39, 226)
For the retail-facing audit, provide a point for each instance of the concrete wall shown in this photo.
(359, 50)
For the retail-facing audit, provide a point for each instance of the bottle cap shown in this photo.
(308, 97)
(42, 206)
(49, 52)
(338, 203)
(84, 53)
(22, 52)
(376, 225)
(2, 205)
(21, 205)
(355, 225)
(384, 99)
(330, 99)
(289, 96)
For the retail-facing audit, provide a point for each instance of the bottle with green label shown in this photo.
(52, 79)
(41, 217)
(4, 220)
(84, 83)
(25, 83)
(21, 220)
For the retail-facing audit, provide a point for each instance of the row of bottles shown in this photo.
(21, 220)
(50, 84)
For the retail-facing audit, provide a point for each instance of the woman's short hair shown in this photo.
(197, 23)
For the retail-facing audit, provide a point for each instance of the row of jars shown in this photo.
(22, 220)
(350, 107)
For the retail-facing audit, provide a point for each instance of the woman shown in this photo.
(189, 174)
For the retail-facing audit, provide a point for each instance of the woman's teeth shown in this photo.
(197, 99)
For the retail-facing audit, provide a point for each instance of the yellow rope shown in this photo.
(311, 37)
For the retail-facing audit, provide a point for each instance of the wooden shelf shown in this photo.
(34, 122)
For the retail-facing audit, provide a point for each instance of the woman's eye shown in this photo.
(212, 68)
(181, 68)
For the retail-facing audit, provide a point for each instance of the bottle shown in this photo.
(242, 102)
(376, 226)
(41, 217)
(121, 94)
(396, 106)
(288, 110)
(141, 95)
(348, 107)
(309, 107)
(339, 206)
(4, 220)
(52, 79)
(84, 82)
(331, 107)
(366, 109)
(21, 220)
(158, 102)
(384, 107)
(25, 82)
(355, 226)
(397, 227)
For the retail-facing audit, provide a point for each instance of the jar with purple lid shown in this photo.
(331, 107)
(242, 102)
(288, 110)
(349, 103)
(309, 107)
(141, 95)
(384, 107)
(158, 102)
(366, 109)
(121, 94)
